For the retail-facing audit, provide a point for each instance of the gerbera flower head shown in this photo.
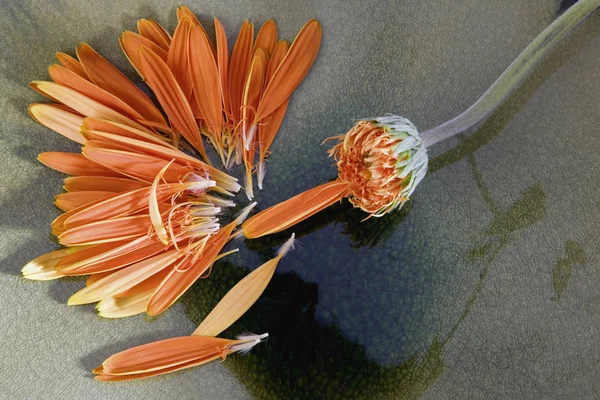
(381, 160)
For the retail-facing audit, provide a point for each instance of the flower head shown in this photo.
(381, 160)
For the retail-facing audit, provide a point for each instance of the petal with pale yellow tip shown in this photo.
(59, 120)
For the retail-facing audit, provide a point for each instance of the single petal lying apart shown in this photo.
(171, 355)
(241, 297)
(283, 215)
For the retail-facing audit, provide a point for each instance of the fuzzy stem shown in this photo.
(514, 74)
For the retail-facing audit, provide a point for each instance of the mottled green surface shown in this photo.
(485, 286)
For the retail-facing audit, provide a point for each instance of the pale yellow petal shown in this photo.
(241, 297)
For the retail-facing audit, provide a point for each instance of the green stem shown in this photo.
(514, 74)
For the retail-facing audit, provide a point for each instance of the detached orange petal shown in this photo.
(71, 64)
(179, 280)
(69, 201)
(283, 215)
(292, 70)
(101, 183)
(153, 31)
(59, 120)
(171, 97)
(267, 37)
(177, 59)
(205, 79)
(241, 58)
(63, 76)
(130, 44)
(171, 355)
(109, 78)
(74, 164)
(110, 230)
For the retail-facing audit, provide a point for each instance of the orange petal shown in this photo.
(153, 31)
(171, 97)
(59, 120)
(90, 254)
(124, 279)
(178, 281)
(183, 12)
(267, 37)
(110, 264)
(109, 78)
(241, 297)
(166, 152)
(44, 267)
(205, 78)
(119, 205)
(251, 95)
(292, 70)
(110, 256)
(283, 215)
(266, 134)
(81, 103)
(93, 278)
(71, 64)
(135, 165)
(155, 214)
(110, 230)
(164, 354)
(122, 307)
(222, 63)
(130, 44)
(124, 131)
(145, 286)
(281, 49)
(69, 201)
(101, 183)
(241, 58)
(63, 76)
(177, 59)
(118, 378)
(74, 164)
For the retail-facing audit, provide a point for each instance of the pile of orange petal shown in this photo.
(141, 216)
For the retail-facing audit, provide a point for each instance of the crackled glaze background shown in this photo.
(485, 286)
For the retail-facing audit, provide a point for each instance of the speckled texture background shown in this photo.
(484, 286)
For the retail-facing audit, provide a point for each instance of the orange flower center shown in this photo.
(367, 163)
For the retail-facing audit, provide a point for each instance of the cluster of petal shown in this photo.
(235, 100)
(140, 215)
